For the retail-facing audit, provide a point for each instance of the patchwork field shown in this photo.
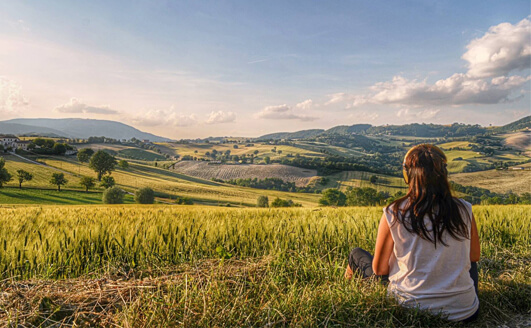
(203, 170)
(160, 266)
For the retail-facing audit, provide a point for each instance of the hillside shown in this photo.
(414, 130)
(76, 128)
(203, 170)
(522, 123)
(26, 129)
(303, 134)
(168, 185)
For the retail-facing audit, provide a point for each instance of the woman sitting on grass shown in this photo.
(427, 244)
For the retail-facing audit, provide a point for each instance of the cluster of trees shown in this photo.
(357, 197)
(268, 184)
(223, 157)
(48, 146)
(263, 201)
(389, 164)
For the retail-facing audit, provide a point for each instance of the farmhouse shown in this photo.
(22, 145)
(9, 141)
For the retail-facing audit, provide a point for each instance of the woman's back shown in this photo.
(432, 277)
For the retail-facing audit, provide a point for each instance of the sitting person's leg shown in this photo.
(474, 275)
(359, 261)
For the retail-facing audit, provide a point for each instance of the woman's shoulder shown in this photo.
(464, 203)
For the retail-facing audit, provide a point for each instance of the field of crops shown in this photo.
(203, 170)
(198, 266)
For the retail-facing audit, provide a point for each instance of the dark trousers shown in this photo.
(360, 261)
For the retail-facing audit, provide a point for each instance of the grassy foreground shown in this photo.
(165, 266)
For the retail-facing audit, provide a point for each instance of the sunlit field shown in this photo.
(200, 266)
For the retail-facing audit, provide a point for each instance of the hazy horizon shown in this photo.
(231, 68)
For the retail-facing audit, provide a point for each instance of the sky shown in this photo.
(189, 69)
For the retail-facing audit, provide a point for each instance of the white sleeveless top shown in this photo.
(432, 278)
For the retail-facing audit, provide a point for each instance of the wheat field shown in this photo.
(145, 266)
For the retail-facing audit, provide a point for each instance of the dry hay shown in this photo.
(520, 141)
(90, 302)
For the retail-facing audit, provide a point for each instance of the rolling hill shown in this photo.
(75, 128)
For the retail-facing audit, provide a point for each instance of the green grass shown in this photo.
(52, 196)
(197, 266)
(140, 154)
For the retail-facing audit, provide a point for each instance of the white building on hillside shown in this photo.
(9, 141)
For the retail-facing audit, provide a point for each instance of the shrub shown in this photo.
(284, 203)
(107, 182)
(262, 201)
(113, 195)
(184, 201)
(144, 196)
(333, 197)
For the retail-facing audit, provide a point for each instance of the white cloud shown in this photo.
(307, 104)
(221, 117)
(364, 116)
(338, 98)
(11, 98)
(76, 106)
(406, 113)
(504, 48)
(458, 89)
(282, 112)
(158, 117)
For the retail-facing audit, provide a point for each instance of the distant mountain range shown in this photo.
(74, 128)
(415, 129)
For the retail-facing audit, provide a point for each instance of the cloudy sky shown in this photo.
(246, 68)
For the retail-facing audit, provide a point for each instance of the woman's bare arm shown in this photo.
(475, 249)
(384, 248)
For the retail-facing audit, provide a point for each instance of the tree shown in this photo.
(4, 175)
(23, 176)
(107, 182)
(59, 148)
(262, 201)
(144, 196)
(267, 159)
(373, 179)
(58, 179)
(87, 182)
(333, 197)
(113, 195)
(102, 163)
(84, 155)
(123, 164)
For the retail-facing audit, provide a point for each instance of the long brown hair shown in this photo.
(429, 195)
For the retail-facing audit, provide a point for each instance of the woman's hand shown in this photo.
(384, 248)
